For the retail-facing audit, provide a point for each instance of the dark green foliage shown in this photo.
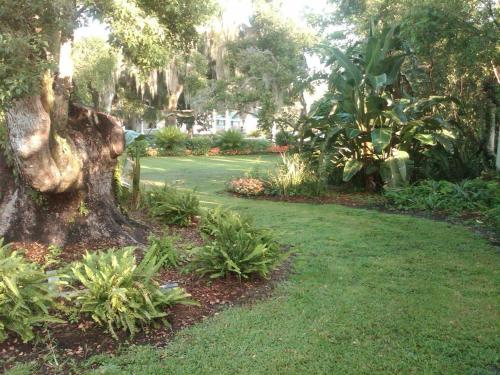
(163, 248)
(170, 139)
(284, 138)
(120, 293)
(257, 146)
(25, 297)
(469, 196)
(230, 140)
(172, 206)
(235, 247)
(368, 123)
(200, 145)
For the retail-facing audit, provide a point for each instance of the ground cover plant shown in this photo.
(480, 197)
(119, 293)
(25, 296)
(163, 249)
(235, 246)
(171, 205)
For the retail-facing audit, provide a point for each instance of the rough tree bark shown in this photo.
(63, 191)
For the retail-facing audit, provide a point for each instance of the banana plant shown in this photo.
(372, 124)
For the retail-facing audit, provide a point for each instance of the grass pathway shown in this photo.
(371, 293)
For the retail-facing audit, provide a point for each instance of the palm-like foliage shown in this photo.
(119, 292)
(172, 206)
(235, 246)
(25, 297)
(368, 121)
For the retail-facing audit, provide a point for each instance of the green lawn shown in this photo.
(371, 293)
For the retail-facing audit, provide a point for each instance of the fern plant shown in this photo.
(235, 246)
(171, 205)
(25, 297)
(120, 293)
(163, 249)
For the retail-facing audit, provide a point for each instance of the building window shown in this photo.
(236, 125)
(220, 124)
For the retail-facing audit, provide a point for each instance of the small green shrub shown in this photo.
(284, 138)
(120, 293)
(294, 176)
(200, 145)
(163, 248)
(231, 140)
(170, 139)
(25, 297)
(258, 146)
(235, 246)
(138, 148)
(172, 206)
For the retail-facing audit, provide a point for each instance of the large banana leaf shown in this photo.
(396, 170)
(352, 167)
(352, 132)
(426, 139)
(381, 138)
(353, 71)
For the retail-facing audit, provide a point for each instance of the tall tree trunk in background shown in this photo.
(496, 71)
(171, 106)
(497, 163)
(59, 188)
(492, 129)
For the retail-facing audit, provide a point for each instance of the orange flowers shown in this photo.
(247, 186)
(278, 149)
(214, 151)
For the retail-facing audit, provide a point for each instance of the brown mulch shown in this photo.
(77, 341)
(357, 199)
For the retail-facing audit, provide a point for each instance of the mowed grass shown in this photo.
(370, 293)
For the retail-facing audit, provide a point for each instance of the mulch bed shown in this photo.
(77, 341)
(357, 199)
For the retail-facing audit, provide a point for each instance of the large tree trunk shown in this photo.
(60, 188)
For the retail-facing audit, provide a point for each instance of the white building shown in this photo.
(230, 120)
(220, 122)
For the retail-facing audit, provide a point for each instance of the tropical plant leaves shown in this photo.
(352, 167)
(426, 139)
(352, 132)
(381, 138)
(346, 63)
(396, 170)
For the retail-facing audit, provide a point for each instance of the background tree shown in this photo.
(265, 70)
(452, 49)
(96, 67)
(61, 153)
